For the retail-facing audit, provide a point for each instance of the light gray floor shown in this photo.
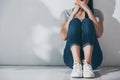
(53, 73)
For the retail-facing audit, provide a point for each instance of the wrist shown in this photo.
(88, 10)
(73, 14)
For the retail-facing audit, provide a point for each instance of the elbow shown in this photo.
(63, 37)
(99, 35)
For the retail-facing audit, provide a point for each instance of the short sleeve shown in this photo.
(98, 13)
(63, 16)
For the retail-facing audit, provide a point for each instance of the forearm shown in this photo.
(68, 22)
(97, 26)
(64, 29)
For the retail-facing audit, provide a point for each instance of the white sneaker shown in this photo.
(77, 70)
(87, 70)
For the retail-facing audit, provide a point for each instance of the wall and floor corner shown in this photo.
(29, 31)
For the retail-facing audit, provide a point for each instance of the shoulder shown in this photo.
(65, 14)
(98, 13)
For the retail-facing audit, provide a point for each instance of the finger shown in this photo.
(77, 6)
(81, 4)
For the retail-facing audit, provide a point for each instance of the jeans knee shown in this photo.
(88, 26)
(75, 19)
(75, 22)
(74, 26)
(87, 20)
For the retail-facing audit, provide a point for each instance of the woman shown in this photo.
(81, 28)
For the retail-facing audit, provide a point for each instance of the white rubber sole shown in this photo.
(88, 76)
(76, 76)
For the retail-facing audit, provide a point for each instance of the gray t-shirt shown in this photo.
(67, 12)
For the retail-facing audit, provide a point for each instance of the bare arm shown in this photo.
(98, 23)
(101, 29)
(64, 27)
(65, 24)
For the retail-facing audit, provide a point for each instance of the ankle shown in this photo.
(88, 62)
(77, 62)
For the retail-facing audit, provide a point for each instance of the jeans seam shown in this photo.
(74, 44)
(87, 43)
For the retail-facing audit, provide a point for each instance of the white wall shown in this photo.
(29, 32)
(110, 40)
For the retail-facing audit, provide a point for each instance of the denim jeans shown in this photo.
(82, 33)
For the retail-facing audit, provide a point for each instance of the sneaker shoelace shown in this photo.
(88, 66)
(77, 67)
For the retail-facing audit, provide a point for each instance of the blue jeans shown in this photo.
(82, 33)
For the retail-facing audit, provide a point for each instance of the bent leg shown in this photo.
(88, 38)
(74, 39)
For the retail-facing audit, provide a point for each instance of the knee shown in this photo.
(75, 25)
(87, 20)
(75, 20)
(88, 26)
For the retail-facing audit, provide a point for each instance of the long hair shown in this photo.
(90, 5)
